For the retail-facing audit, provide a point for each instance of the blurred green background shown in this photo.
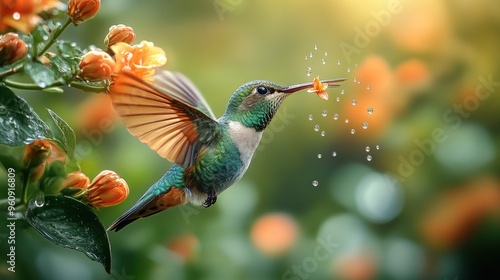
(415, 195)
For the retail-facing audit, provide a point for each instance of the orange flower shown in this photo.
(142, 59)
(107, 189)
(12, 48)
(119, 33)
(80, 11)
(273, 234)
(22, 15)
(319, 88)
(96, 66)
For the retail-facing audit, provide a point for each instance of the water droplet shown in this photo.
(377, 147)
(319, 155)
(323, 133)
(359, 82)
(45, 37)
(310, 54)
(354, 102)
(355, 80)
(367, 149)
(16, 16)
(315, 183)
(39, 200)
(306, 57)
(368, 87)
(346, 121)
(316, 128)
(310, 117)
(323, 61)
(364, 125)
(338, 99)
(324, 113)
(334, 154)
(356, 65)
(3, 110)
(308, 72)
(370, 110)
(315, 47)
(336, 116)
(369, 158)
(348, 70)
(342, 92)
(353, 130)
(326, 54)
(338, 62)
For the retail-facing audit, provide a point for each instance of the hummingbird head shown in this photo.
(255, 103)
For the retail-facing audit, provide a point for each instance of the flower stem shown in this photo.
(78, 85)
(54, 37)
(11, 71)
(25, 183)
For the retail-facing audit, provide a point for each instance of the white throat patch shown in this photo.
(246, 140)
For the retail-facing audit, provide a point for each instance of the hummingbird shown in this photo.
(209, 155)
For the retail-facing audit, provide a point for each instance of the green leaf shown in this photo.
(64, 133)
(41, 75)
(69, 223)
(19, 122)
(40, 36)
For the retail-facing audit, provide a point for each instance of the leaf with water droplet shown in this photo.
(41, 75)
(64, 133)
(19, 122)
(69, 223)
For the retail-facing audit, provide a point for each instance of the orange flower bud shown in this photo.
(119, 33)
(35, 157)
(107, 189)
(80, 11)
(36, 153)
(96, 66)
(76, 180)
(12, 49)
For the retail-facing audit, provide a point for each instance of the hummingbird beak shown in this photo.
(330, 82)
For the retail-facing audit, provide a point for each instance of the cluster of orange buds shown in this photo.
(319, 88)
(141, 59)
(80, 11)
(23, 15)
(12, 49)
(107, 188)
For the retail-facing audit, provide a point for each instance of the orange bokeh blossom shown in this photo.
(142, 58)
(23, 15)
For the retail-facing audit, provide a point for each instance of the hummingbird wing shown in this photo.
(164, 114)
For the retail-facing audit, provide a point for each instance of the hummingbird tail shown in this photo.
(149, 204)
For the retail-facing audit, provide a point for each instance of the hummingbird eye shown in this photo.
(264, 90)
